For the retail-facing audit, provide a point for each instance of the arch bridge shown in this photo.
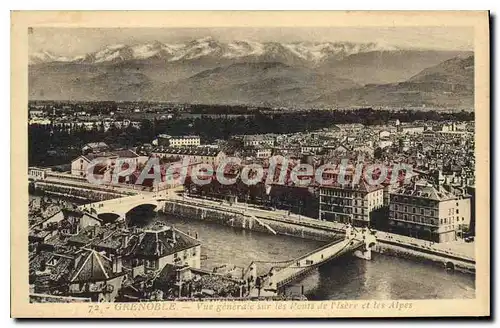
(116, 208)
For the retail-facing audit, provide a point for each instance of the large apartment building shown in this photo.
(350, 203)
(178, 141)
(194, 154)
(427, 212)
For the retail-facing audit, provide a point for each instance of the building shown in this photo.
(69, 221)
(80, 165)
(350, 203)
(178, 141)
(255, 140)
(94, 147)
(263, 152)
(310, 149)
(383, 134)
(96, 277)
(424, 211)
(36, 113)
(36, 173)
(193, 154)
(411, 129)
(385, 143)
(152, 249)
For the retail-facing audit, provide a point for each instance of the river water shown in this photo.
(346, 278)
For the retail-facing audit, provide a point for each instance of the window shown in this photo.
(422, 211)
(414, 210)
(457, 211)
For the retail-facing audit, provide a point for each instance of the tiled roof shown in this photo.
(125, 153)
(160, 243)
(63, 265)
(426, 191)
(92, 266)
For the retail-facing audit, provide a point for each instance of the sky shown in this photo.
(77, 41)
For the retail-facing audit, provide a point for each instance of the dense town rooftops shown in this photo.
(57, 265)
(94, 235)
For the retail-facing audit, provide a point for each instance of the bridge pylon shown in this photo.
(365, 235)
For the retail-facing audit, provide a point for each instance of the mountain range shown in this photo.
(247, 72)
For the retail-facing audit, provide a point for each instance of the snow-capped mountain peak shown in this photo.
(311, 52)
(47, 56)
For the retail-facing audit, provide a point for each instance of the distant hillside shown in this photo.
(448, 84)
(270, 73)
(258, 83)
(380, 67)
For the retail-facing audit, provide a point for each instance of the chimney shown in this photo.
(92, 232)
(117, 264)
(125, 240)
(160, 248)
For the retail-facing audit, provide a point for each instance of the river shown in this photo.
(346, 278)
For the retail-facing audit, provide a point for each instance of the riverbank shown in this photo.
(75, 187)
(271, 222)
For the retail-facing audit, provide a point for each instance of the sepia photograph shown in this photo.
(207, 168)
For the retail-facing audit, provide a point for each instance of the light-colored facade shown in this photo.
(177, 141)
(411, 129)
(80, 165)
(263, 152)
(258, 140)
(350, 204)
(36, 173)
(194, 155)
(384, 134)
(426, 212)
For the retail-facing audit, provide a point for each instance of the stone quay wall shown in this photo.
(80, 193)
(238, 218)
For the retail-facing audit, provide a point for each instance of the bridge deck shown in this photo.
(121, 205)
(280, 277)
